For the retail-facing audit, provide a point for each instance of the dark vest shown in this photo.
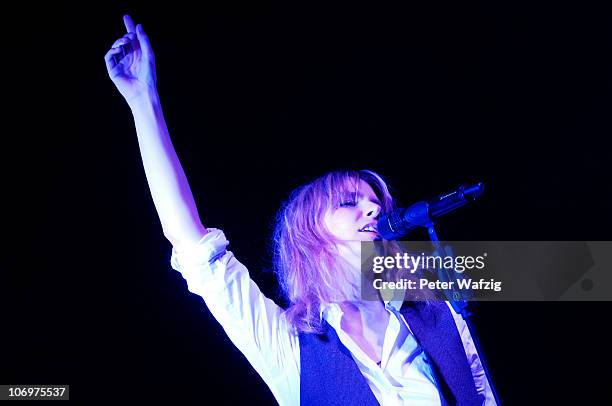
(329, 375)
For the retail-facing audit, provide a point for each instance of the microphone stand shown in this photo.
(460, 305)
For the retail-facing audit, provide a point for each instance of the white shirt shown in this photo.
(259, 329)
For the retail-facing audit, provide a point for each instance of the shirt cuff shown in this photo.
(211, 247)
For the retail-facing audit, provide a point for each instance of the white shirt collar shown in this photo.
(332, 311)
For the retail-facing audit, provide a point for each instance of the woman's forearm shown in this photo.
(167, 181)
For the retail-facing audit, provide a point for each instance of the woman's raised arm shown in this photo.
(254, 323)
(131, 66)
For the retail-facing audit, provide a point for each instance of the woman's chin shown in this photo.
(370, 237)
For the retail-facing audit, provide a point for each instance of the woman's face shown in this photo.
(356, 217)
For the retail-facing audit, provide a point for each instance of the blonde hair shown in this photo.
(305, 254)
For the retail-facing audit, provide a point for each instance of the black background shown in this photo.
(260, 98)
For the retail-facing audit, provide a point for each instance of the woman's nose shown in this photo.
(373, 210)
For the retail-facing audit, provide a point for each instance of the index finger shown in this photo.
(129, 23)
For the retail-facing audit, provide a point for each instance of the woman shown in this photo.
(329, 347)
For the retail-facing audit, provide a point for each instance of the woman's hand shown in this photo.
(131, 63)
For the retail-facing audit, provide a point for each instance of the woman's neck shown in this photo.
(350, 256)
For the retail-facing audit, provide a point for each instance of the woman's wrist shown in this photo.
(145, 99)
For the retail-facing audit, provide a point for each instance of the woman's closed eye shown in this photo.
(348, 204)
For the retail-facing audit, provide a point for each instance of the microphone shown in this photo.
(401, 221)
